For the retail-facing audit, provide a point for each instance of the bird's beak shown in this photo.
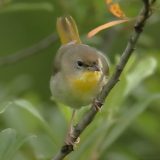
(94, 68)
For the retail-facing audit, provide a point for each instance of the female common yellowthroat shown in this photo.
(80, 71)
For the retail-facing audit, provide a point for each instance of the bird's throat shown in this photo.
(85, 83)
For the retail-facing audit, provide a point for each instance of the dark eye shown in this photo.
(80, 63)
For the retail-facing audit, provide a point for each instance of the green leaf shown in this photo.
(116, 97)
(4, 106)
(10, 142)
(144, 69)
(87, 146)
(126, 119)
(65, 110)
(43, 147)
(26, 105)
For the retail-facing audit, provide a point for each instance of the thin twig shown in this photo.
(20, 55)
(89, 116)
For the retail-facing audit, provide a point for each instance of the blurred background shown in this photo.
(33, 127)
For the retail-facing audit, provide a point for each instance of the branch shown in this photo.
(89, 116)
(20, 55)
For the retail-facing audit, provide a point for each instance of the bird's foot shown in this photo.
(71, 139)
(97, 105)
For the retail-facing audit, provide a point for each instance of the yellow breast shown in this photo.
(86, 83)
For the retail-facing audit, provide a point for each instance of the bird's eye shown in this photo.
(80, 63)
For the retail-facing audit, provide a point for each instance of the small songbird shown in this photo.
(80, 71)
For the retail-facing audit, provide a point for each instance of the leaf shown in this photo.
(125, 120)
(105, 26)
(115, 9)
(4, 106)
(10, 142)
(31, 109)
(43, 147)
(65, 110)
(142, 70)
(88, 142)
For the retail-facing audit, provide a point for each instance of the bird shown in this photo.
(79, 71)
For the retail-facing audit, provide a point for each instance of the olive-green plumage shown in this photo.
(80, 71)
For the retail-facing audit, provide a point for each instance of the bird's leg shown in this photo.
(70, 139)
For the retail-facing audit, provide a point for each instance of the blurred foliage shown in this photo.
(33, 127)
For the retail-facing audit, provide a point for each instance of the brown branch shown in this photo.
(89, 116)
(20, 55)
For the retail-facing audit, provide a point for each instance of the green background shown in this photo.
(33, 127)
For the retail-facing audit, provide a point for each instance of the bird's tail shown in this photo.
(67, 30)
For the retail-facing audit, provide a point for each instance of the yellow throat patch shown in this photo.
(85, 83)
